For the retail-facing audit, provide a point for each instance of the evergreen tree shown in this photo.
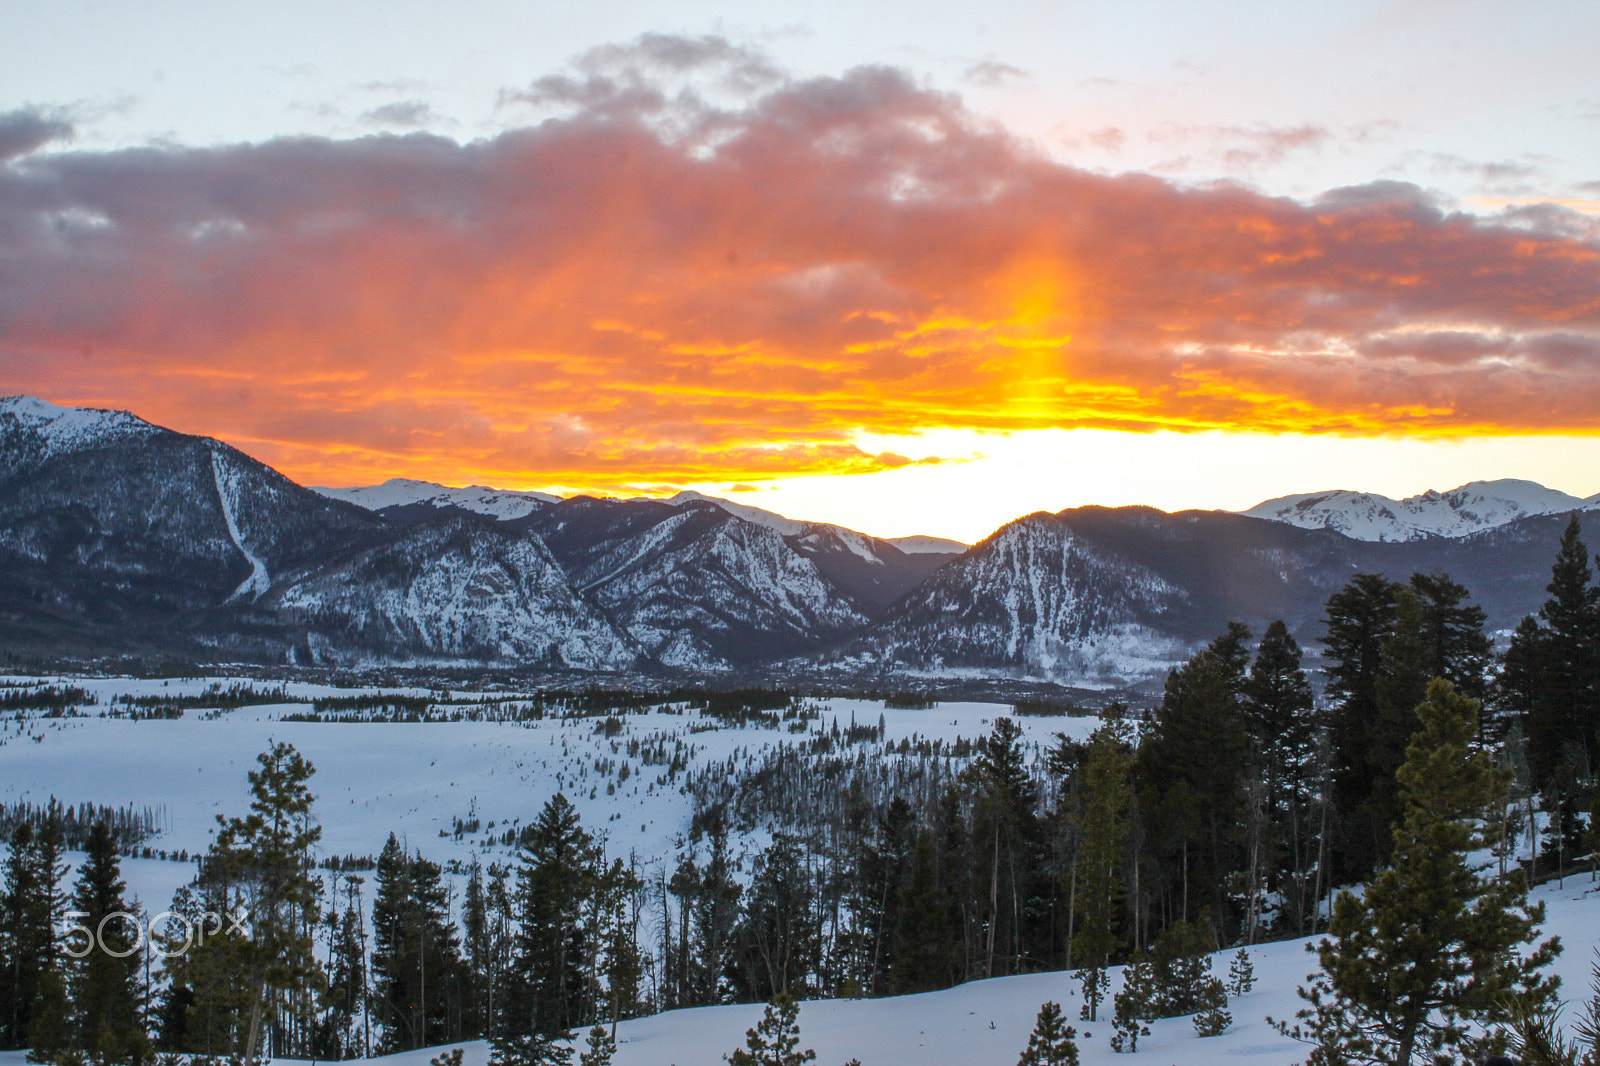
(1283, 727)
(1212, 1019)
(50, 1027)
(338, 1034)
(1051, 1043)
(267, 855)
(1104, 794)
(1455, 646)
(924, 956)
(600, 1048)
(775, 1041)
(1434, 945)
(779, 939)
(527, 1049)
(105, 982)
(1132, 1006)
(1555, 663)
(30, 911)
(1241, 974)
(416, 963)
(1191, 767)
(549, 993)
(1360, 620)
(1005, 846)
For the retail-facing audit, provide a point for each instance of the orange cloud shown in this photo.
(650, 287)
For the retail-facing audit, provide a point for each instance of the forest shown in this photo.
(1233, 811)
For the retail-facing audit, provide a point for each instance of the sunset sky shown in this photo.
(912, 267)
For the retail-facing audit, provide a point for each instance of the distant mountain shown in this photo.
(696, 586)
(118, 536)
(1096, 596)
(456, 588)
(420, 498)
(1472, 507)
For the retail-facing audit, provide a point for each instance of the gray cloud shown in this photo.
(27, 130)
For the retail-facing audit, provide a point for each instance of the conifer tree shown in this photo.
(1191, 767)
(416, 965)
(779, 938)
(1360, 620)
(104, 983)
(1554, 664)
(1104, 794)
(30, 909)
(1241, 974)
(1131, 1007)
(549, 993)
(600, 1048)
(775, 1041)
(1283, 728)
(1213, 1018)
(1051, 1043)
(267, 855)
(923, 952)
(1434, 946)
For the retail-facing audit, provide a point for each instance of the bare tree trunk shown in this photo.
(255, 1025)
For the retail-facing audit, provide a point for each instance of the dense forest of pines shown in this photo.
(1228, 814)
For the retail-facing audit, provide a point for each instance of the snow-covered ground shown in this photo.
(412, 779)
(415, 779)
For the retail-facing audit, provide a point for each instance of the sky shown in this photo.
(914, 268)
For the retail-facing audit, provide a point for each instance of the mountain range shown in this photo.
(121, 537)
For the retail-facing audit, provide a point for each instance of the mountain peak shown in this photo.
(1373, 517)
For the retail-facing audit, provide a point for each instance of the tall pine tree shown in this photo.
(1435, 945)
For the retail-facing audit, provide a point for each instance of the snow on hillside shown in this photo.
(56, 430)
(396, 492)
(413, 779)
(921, 545)
(787, 527)
(1463, 510)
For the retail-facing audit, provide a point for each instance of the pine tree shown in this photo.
(779, 939)
(1283, 727)
(1360, 621)
(600, 1048)
(775, 1041)
(1212, 1019)
(549, 993)
(1241, 974)
(30, 910)
(1561, 652)
(104, 983)
(1104, 794)
(1131, 1007)
(268, 855)
(923, 954)
(1434, 946)
(527, 1049)
(1191, 767)
(1051, 1043)
(50, 1027)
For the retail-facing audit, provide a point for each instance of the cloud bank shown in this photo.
(691, 266)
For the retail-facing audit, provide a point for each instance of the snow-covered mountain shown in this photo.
(1474, 506)
(458, 589)
(1034, 599)
(402, 492)
(695, 585)
(32, 430)
(118, 536)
